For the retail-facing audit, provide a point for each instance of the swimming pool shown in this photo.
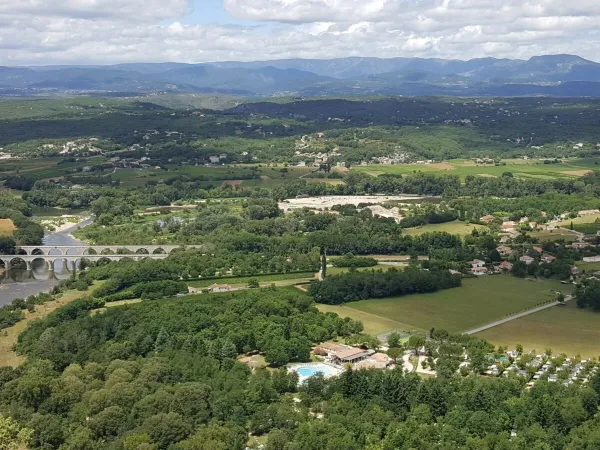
(311, 369)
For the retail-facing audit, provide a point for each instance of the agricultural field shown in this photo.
(456, 227)
(476, 302)
(565, 329)
(575, 167)
(554, 235)
(6, 227)
(588, 266)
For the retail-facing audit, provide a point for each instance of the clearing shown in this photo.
(6, 227)
(554, 235)
(564, 329)
(477, 302)
(456, 227)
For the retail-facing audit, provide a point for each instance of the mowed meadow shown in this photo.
(564, 329)
(520, 168)
(477, 302)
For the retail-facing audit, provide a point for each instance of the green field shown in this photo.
(588, 266)
(554, 235)
(456, 227)
(574, 167)
(476, 302)
(563, 329)
(580, 220)
(243, 281)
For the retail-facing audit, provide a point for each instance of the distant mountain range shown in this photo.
(551, 75)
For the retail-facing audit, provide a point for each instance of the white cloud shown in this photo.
(110, 31)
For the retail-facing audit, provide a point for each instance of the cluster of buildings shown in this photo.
(540, 367)
(340, 355)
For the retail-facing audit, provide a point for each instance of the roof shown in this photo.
(217, 286)
(332, 347)
(351, 353)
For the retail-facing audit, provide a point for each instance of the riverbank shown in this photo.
(9, 336)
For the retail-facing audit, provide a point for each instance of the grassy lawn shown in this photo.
(554, 235)
(476, 302)
(520, 168)
(6, 227)
(579, 220)
(243, 281)
(588, 266)
(373, 324)
(566, 329)
(456, 227)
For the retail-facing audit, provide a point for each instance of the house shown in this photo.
(533, 225)
(486, 219)
(548, 259)
(329, 349)
(579, 245)
(526, 259)
(219, 288)
(477, 263)
(479, 270)
(504, 250)
(505, 265)
(574, 270)
(538, 249)
(588, 212)
(192, 290)
(508, 225)
(375, 361)
(214, 159)
(351, 355)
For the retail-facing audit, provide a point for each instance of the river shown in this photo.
(11, 289)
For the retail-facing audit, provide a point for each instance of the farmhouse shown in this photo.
(219, 288)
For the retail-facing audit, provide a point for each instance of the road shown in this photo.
(517, 316)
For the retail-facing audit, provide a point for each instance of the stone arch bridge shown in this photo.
(69, 255)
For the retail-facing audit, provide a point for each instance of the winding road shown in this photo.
(518, 316)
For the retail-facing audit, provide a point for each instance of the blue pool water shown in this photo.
(307, 371)
(310, 370)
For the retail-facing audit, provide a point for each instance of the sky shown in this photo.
(43, 32)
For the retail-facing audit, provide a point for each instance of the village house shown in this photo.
(578, 245)
(526, 259)
(477, 263)
(479, 271)
(214, 159)
(486, 219)
(508, 225)
(505, 265)
(548, 259)
(504, 251)
(219, 288)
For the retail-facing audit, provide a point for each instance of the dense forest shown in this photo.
(354, 286)
(163, 375)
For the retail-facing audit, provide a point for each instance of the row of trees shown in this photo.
(353, 286)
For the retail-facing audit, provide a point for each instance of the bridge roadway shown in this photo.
(70, 254)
